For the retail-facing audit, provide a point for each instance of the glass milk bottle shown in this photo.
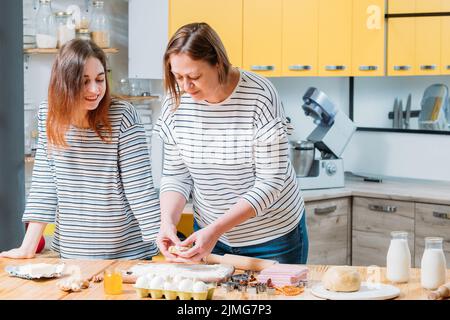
(398, 260)
(45, 26)
(433, 265)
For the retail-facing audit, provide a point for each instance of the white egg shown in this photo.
(142, 282)
(170, 286)
(157, 283)
(199, 286)
(185, 285)
(177, 278)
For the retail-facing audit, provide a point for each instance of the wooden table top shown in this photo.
(13, 288)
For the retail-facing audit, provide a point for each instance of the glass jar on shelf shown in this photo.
(45, 26)
(83, 34)
(124, 87)
(99, 25)
(65, 28)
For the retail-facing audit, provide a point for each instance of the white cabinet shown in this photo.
(148, 23)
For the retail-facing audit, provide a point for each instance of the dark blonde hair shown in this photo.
(65, 92)
(200, 42)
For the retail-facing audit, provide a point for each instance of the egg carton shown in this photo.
(173, 295)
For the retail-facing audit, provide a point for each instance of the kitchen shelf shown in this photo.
(53, 51)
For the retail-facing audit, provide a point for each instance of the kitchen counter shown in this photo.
(403, 189)
(428, 191)
(12, 288)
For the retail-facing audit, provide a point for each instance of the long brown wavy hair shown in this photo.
(65, 92)
(200, 42)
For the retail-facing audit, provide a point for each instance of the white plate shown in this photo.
(54, 271)
(368, 291)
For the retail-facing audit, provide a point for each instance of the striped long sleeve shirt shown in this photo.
(99, 195)
(219, 153)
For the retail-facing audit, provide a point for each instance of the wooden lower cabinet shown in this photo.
(328, 224)
(373, 220)
(432, 220)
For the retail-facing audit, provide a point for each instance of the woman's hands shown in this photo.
(203, 242)
(29, 244)
(167, 237)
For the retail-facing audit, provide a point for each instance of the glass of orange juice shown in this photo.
(112, 281)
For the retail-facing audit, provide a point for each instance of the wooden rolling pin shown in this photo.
(441, 293)
(240, 262)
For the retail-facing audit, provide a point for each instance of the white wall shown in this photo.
(398, 154)
(421, 156)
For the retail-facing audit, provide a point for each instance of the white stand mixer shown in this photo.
(332, 134)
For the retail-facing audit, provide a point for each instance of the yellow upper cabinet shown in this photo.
(225, 17)
(445, 36)
(401, 39)
(428, 38)
(262, 36)
(335, 37)
(368, 38)
(300, 37)
(428, 46)
(401, 47)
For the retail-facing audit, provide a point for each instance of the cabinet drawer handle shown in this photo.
(262, 68)
(380, 208)
(299, 67)
(428, 67)
(441, 215)
(402, 68)
(325, 210)
(368, 68)
(334, 68)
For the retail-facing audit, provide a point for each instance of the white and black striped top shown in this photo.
(235, 149)
(100, 195)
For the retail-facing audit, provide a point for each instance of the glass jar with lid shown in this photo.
(99, 25)
(65, 28)
(45, 26)
(83, 34)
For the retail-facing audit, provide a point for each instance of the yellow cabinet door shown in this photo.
(262, 36)
(335, 37)
(225, 17)
(428, 38)
(428, 46)
(401, 47)
(445, 39)
(368, 38)
(300, 36)
(401, 6)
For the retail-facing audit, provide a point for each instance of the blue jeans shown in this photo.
(291, 248)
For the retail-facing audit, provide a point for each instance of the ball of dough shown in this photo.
(177, 249)
(342, 279)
